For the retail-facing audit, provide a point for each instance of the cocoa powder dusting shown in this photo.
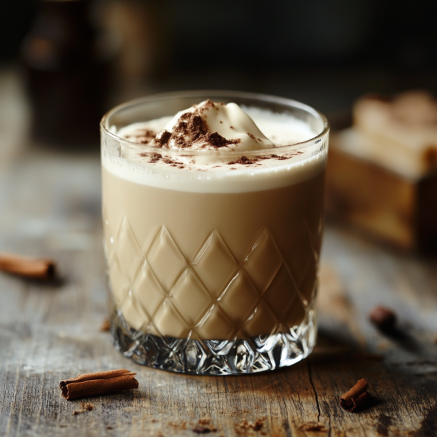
(244, 160)
(191, 128)
(216, 140)
(282, 157)
(251, 136)
(155, 157)
(142, 136)
(162, 140)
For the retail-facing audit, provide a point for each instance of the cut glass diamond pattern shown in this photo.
(208, 357)
(128, 251)
(281, 293)
(263, 261)
(214, 264)
(192, 310)
(261, 317)
(167, 317)
(215, 324)
(295, 313)
(133, 313)
(147, 290)
(239, 299)
(304, 264)
(166, 259)
(242, 357)
(119, 283)
(153, 295)
(195, 355)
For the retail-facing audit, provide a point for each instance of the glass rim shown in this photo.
(217, 93)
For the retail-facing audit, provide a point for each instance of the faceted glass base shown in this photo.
(215, 357)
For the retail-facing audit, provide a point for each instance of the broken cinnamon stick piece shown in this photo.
(37, 268)
(356, 396)
(99, 383)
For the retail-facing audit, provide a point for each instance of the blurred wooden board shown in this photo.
(393, 208)
(398, 208)
(50, 205)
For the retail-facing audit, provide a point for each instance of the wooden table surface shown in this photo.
(50, 205)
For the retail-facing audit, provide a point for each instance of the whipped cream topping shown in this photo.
(212, 126)
(210, 167)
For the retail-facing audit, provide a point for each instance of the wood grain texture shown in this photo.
(50, 206)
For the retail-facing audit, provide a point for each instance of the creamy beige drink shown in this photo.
(206, 245)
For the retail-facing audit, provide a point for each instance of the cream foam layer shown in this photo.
(220, 175)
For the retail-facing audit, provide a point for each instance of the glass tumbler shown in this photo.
(213, 270)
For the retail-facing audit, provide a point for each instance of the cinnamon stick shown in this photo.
(99, 383)
(356, 396)
(106, 326)
(384, 318)
(37, 268)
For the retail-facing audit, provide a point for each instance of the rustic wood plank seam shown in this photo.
(314, 389)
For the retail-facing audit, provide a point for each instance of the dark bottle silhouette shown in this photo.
(66, 74)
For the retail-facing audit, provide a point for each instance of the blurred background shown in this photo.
(76, 58)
